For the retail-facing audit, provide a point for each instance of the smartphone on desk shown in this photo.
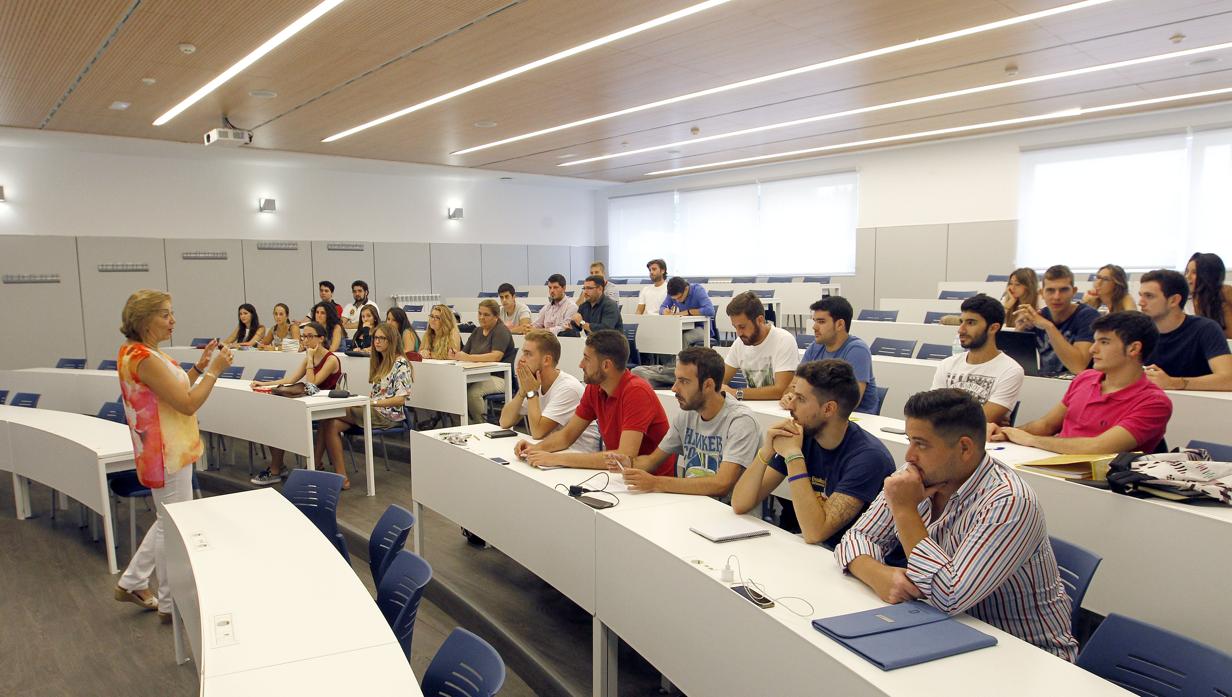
(503, 433)
(595, 502)
(499, 460)
(894, 429)
(754, 597)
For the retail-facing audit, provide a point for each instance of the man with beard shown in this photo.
(714, 436)
(547, 396)
(833, 467)
(555, 316)
(831, 324)
(631, 419)
(1192, 353)
(651, 297)
(766, 354)
(989, 375)
(972, 531)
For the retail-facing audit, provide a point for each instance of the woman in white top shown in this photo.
(282, 330)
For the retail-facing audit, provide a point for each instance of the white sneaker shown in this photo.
(265, 478)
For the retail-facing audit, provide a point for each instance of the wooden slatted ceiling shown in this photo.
(45, 43)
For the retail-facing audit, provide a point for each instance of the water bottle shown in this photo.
(956, 347)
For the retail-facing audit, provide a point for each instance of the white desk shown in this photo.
(676, 612)
(319, 631)
(664, 333)
(71, 453)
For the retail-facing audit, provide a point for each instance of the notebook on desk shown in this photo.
(727, 530)
(896, 636)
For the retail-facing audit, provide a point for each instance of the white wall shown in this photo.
(84, 185)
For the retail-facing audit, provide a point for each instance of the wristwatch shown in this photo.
(531, 394)
(739, 395)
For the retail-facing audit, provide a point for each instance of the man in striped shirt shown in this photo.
(972, 531)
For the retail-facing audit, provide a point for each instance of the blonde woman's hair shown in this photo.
(381, 363)
(439, 344)
(1026, 277)
(141, 306)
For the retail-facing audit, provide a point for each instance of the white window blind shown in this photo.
(1210, 219)
(788, 227)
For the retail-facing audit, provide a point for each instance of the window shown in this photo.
(789, 227)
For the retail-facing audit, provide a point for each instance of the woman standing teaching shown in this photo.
(160, 403)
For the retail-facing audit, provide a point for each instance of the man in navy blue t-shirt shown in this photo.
(834, 468)
(1063, 328)
(1192, 353)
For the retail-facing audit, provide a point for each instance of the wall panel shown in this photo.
(579, 262)
(543, 261)
(207, 292)
(978, 249)
(504, 263)
(104, 293)
(910, 258)
(55, 307)
(401, 268)
(455, 270)
(342, 267)
(279, 276)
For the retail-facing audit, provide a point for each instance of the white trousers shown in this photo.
(150, 555)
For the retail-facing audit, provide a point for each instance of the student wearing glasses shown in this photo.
(320, 370)
(1111, 291)
(249, 331)
(282, 331)
(442, 336)
(391, 375)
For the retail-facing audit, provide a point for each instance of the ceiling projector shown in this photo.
(228, 136)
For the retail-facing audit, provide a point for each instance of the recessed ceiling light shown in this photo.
(796, 71)
(120, 106)
(262, 94)
(1077, 111)
(580, 48)
(187, 49)
(485, 124)
(506, 179)
(1177, 38)
(147, 81)
(910, 102)
(673, 153)
(272, 43)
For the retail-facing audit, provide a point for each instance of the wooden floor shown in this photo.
(62, 633)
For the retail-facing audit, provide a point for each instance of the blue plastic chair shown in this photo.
(997, 278)
(25, 399)
(744, 279)
(72, 363)
(113, 411)
(816, 279)
(380, 433)
(1219, 452)
(630, 293)
(4, 396)
(779, 279)
(489, 294)
(956, 294)
(315, 493)
(464, 666)
(521, 294)
(618, 281)
(200, 342)
(934, 352)
(897, 348)
(881, 395)
(387, 539)
(935, 317)
(534, 308)
(420, 325)
(235, 372)
(187, 365)
(804, 340)
(269, 374)
(763, 293)
(1149, 660)
(399, 592)
(1077, 567)
(720, 293)
(108, 365)
(700, 279)
(878, 316)
(413, 308)
(635, 358)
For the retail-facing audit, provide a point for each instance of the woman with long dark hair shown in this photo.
(1212, 298)
(326, 315)
(410, 337)
(1111, 290)
(282, 330)
(1022, 289)
(369, 317)
(248, 331)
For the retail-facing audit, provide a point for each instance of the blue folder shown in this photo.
(903, 635)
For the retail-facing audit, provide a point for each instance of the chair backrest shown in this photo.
(72, 363)
(113, 411)
(1014, 413)
(934, 352)
(200, 342)
(235, 372)
(898, 348)
(387, 539)
(520, 294)
(4, 396)
(700, 279)
(997, 278)
(631, 336)
(1149, 660)
(956, 294)
(763, 293)
(1219, 452)
(489, 294)
(629, 293)
(878, 315)
(108, 365)
(744, 279)
(816, 279)
(720, 293)
(420, 325)
(618, 281)
(187, 365)
(269, 374)
(881, 395)
(412, 308)
(399, 593)
(315, 493)
(464, 666)
(778, 279)
(1077, 567)
(935, 317)
(25, 399)
(534, 308)
(804, 340)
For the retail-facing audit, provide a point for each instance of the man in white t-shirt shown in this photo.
(350, 313)
(547, 396)
(992, 377)
(766, 354)
(651, 298)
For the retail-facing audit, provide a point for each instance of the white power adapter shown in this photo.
(727, 575)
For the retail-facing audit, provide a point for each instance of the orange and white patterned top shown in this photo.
(164, 440)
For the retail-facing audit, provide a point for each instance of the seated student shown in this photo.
(324, 315)
(556, 315)
(283, 333)
(1212, 298)
(410, 338)
(1111, 291)
(368, 319)
(684, 298)
(650, 298)
(442, 337)
(767, 355)
(1192, 353)
(491, 341)
(249, 331)
(831, 322)
(1113, 408)
(1062, 328)
(834, 468)
(597, 311)
(713, 436)
(992, 377)
(514, 313)
(1022, 289)
(631, 419)
(320, 370)
(972, 531)
(547, 396)
(350, 313)
(325, 289)
(391, 376)
(598, 268)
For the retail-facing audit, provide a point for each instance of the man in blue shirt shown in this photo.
(831, 322)
(683, 298)
(1063, 328)
(833, 467)
(1192, 353)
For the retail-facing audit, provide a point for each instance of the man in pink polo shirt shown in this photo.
(1111, 409)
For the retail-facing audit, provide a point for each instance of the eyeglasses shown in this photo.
(310, 336)
(1105, 279)
(378, 337)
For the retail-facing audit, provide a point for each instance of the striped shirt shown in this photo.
(988, 555)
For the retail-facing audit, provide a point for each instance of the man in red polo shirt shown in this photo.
(1111, 409)
(631, 419)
